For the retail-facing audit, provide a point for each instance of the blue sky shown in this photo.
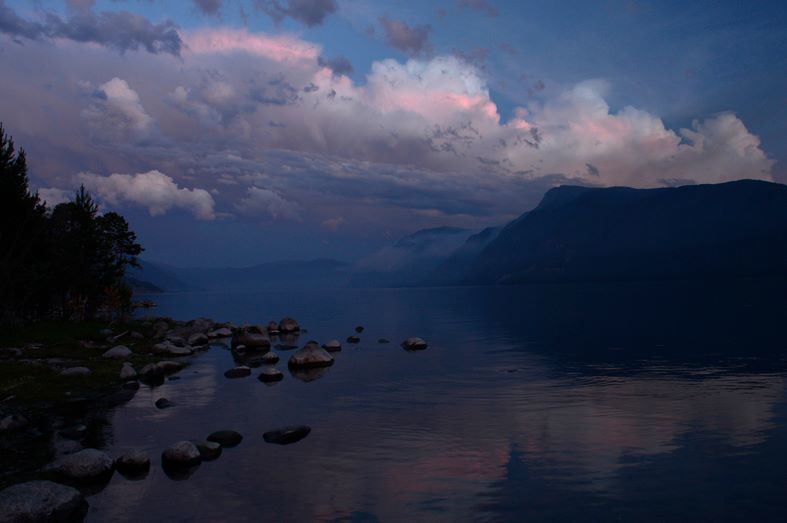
(306, 128)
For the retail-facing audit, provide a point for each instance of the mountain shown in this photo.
(600, 234)
(411, 260)
(156, 277)
(456, 265)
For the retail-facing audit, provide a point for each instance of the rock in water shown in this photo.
(226, 438)
(273, 327)
(181, 454)
(134, 462)
(197, 339)
(164, 403)
(209, 450)
(238, 372)
(359, 329)
(353, 339)
(310, 356)
(85, 465)
(127, 372)
(120, 352)
(333, 346)
(76, 372)
(270, 358)
(289, 325)
(287, 435)
(414, 344)
(270, 374)
(41, 501)
(223, 332)
(251, 340)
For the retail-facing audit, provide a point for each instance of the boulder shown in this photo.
(270, 358)
(137, 336)
(134, 462)
(127, 372)
(168, 367)
(251, 340)
(181, 454)
(310, 356)
(41, 501)
(13, 422)
(175, 340)
(226, 438)
(198, 339)
(76, 372)
(287, 435)
(333, 346)
(289, 325)
(222, 332)
(414, 344)
(238, 372)
(119, 352)
(353, 339)
(84, 466)
(168, 348)
(270, 374)
(209, 450)
(273, 327)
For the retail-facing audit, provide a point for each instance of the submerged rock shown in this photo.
(359, 329)
(270, 374)
(383, 340)
(238, 372)
(76, 372)
(132, 463)
(120, 352)
(41, 501)
(226, 438)
(287, 435)
(289, 325)
(85, 465)
(414, 344)
(181, 454)
(353, 339)
(333, 346)
(163, 403)
(310, 356)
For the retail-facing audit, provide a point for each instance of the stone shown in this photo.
(198, 339)
(359, 329)
(177, 341)
(41, 501)
(151, 371)
(181, 454)
(222, 332)
(170, 349)
(163, 403)
(270, 358)
(353, 339)
(85, 465)
(251, 340)
(273, 327)
(134, 462)
(135, 335)
(209, 450)
(76, 372)
(289, 325)
(168, 367)
(226, 438)
(13, 422)
(270, 374)
(238, 372)
(119, 352)
(127, 372)
(414, 344)
(333, 346)
(287, 435)
(383, 340)
(310, 356)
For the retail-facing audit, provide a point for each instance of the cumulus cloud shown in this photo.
(339, 65)
(307, 12)
(51, 196)
(153, 190)
(410, 39)
(120, 30)
(116, 113)
(266, 203)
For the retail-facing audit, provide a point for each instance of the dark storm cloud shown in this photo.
(593, 170)
(209, 7)
(413, 40)
(119, 30)
(307, 12)
(340, 65)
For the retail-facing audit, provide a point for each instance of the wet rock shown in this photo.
(209, 450)
(197, 339)
(270, 358)
(251, 340)
(181, 454)
(163, 403)
(359, 329)
(168, 367)
(13, 422)
(131, 385)
(414, 344)
(133, 463)
(287, 435)
(127, 372)
(170, 349)
(222, 332)
(84, 466)
(270, 374)
(273, 328)
(41, 501)
(238, 372)
(177, 341)
(310, 356)
(76, 372)
(353, 339)
(289, 325)
(285, 346)
(61, 447)
(226, 438)
(119, 352)
(333, 346)
(383, 340)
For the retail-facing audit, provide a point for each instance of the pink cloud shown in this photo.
(279, 48)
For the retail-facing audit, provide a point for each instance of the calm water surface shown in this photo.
(646, 402)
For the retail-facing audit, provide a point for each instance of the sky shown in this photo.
(234, 132)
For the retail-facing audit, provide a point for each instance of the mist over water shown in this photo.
(648, 401)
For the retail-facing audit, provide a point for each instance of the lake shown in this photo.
(646, 402)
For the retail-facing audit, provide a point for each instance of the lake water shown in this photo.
(645, 402)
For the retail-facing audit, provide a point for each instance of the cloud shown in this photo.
(154, 190)
(116, 114)
(51, 196)
(332, 224)
(209, 7)
(307, 12)
(484, 6)
(119, 30)
(339, 65)
(413, 40)
(266, 203)
(279, 48)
